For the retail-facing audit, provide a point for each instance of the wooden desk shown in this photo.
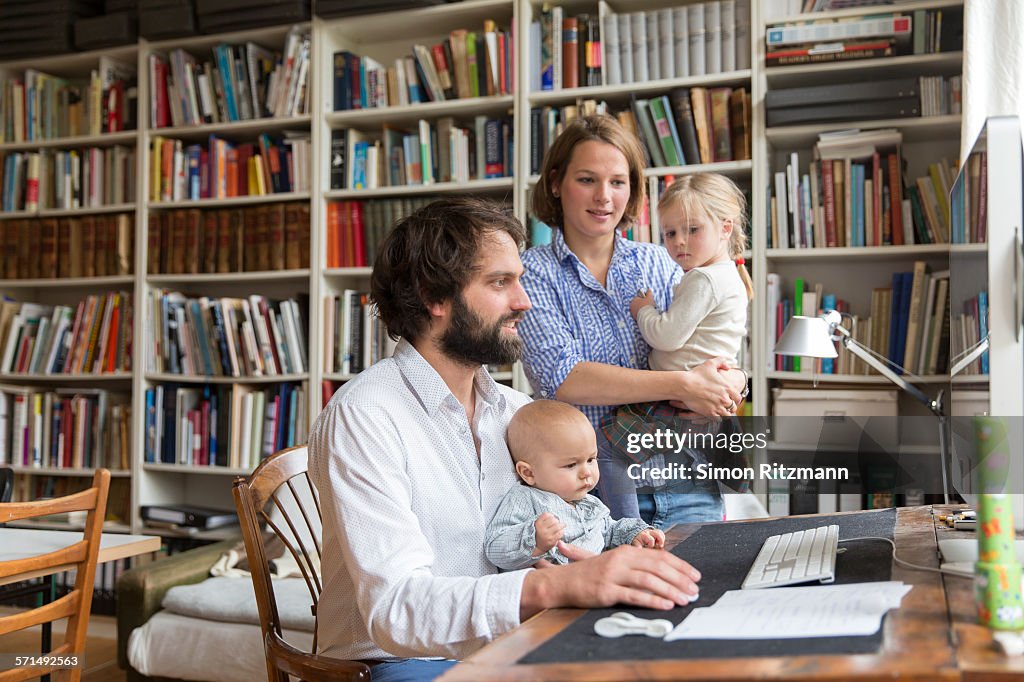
(930, 637)
(18, 543)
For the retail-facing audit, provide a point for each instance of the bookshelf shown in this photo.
(387, 37)
(855, 273)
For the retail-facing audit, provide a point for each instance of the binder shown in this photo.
(189, 515)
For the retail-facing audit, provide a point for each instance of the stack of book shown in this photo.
(218, 16)
(465, 64)
(356, 228)
(857, 38)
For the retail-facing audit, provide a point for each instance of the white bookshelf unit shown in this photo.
(385, 38)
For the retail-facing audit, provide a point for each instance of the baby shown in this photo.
(555, 452)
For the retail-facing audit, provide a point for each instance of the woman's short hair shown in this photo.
(600, 128)
(429, 257)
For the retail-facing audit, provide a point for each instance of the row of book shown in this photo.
(854, 194)
(86, 246)
(67, 179)
(239, 83)
(466, 64)
(234, 337)
(865, 37)
(441, 151)
(223, 169)
(968, 329)
(941, 95)
(969, 202)
(66, 428)
(94, 337)
(234, 425)
(41, 487)
(909, 323)
(41, 106)
(356, 228)
(687, 126)
(354, 337)
(254, 238)
(702, 38)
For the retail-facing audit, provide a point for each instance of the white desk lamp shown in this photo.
(813, 337)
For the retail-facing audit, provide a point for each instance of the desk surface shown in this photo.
(931, 636)
(18, 543)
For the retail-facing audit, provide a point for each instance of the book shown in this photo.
(189, 515)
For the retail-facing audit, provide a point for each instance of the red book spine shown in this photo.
(895, 199)
(830, 203)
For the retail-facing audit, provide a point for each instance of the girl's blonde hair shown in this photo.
(719, 199)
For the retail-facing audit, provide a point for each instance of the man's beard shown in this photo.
(470, 341)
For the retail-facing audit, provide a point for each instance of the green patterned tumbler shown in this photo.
(997, 575)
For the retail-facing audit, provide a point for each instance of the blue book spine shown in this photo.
(150, 448)
(202, 333)
(225, 73)
(983, 326)
(828, 302)
(284, 392)
(540, 233)
(359, 165)
(213, 426)
(292, 411)
(194, 154)
(221, 336)
(906, 284)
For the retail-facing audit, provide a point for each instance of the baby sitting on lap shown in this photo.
(555, 452)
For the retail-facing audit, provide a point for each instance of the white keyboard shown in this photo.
(793, 558)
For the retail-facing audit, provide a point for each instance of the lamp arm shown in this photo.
(873, 362)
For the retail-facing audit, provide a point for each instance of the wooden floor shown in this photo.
(100, 647)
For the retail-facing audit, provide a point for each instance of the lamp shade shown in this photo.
(806, 336)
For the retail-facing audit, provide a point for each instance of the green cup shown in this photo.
(997, 574)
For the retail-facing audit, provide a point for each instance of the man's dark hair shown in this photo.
(430, 256)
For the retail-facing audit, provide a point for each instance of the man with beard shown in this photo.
(410, 461)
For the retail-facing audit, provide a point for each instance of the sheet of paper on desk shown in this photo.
(791, 612)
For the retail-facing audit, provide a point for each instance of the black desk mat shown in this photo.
(723, 554)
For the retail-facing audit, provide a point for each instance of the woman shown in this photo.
(582, 346)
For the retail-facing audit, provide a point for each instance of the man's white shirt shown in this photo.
(406, 502)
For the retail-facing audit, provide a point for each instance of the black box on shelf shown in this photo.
(204, 7)
(145, 5)
(57, 11)
(167, 22)
(121, 6)
(57, 41)
(270, 15)
(341, 8)
(108, 30)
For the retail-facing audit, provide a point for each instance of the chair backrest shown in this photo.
(280, 494)
(80, 556)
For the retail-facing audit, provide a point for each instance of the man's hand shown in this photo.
(624, 575)
(639, 302)
(712, 389)
(652, 537)
(548, 531)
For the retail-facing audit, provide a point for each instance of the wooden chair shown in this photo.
(282, 482)
(80, 556)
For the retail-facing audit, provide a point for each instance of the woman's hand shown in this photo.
(641, 301)
(712, 389)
